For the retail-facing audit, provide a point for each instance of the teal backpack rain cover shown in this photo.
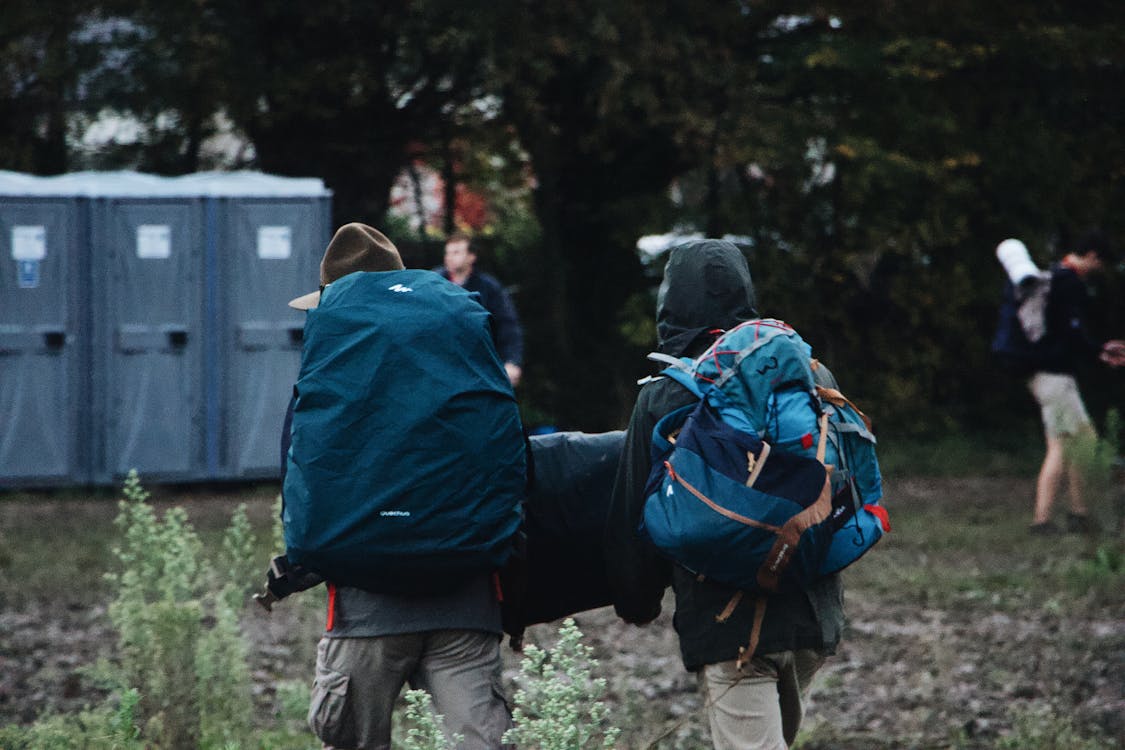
(406, 467)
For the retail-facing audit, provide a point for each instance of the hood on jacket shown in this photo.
(706, 285)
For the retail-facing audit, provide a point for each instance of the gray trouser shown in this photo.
(760, 706)
(359, 679)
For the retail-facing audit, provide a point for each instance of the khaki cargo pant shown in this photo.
(759, 707)
(359, 679)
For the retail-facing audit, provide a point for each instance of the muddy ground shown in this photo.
(958, 622)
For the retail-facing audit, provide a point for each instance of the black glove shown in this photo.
(282, 579)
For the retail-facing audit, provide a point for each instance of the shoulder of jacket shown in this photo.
(487, 281)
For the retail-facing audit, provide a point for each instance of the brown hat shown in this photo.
(355, 247)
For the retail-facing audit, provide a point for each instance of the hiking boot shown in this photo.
(1079, 523)
(1046, 528)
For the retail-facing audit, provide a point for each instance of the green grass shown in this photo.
(56, 545)
(972, 544)
(1001, 454)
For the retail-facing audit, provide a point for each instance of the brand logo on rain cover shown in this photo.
(395, 513)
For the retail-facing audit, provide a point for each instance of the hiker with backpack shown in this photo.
(754, 655)
(402, 489)
(1047, 345)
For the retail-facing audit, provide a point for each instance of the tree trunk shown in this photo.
(449, 181)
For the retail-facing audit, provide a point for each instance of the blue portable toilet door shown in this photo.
(42, 372)
(270, 253)
(153, 312)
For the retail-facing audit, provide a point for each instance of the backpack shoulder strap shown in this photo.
(678, 369)
(684, 378)
(680, 363)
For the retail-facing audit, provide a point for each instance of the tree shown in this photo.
(339, 89)
(41, 59)
(911, 140)
(873, 155)
(164, 67)
(953, 127)
(611, 101)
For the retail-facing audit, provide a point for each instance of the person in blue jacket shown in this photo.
(460, 268)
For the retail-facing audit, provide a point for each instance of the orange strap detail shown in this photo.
(834, 397)
(822, 446)
(715, 506)
(729, 609)
(746, 653)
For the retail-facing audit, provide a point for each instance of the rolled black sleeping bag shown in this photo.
(561, 569)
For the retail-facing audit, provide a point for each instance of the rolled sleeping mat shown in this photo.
(1017, 262)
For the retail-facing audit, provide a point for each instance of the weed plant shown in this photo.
(112, 726)
(425, 725)
(558, 705)
(179, 641)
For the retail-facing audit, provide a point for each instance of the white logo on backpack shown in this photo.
(399, 288)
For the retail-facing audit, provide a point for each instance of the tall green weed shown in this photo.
(176, 615)
(425, 725)
(111, 726)
(558, 704)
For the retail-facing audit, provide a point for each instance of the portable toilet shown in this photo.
(198, 349)
(149, 328)
(44, 336)
(147, 287)
(266, 238)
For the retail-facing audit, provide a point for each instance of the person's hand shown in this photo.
(1113, 353)
(515, 372)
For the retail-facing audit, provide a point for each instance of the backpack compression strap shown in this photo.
(745, 653)
(834, 397)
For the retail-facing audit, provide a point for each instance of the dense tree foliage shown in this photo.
(870, 155)
(42, 56)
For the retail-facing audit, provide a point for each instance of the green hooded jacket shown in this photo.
(707, 288)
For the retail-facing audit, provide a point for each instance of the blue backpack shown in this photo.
(770, 481)
(406, 467)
